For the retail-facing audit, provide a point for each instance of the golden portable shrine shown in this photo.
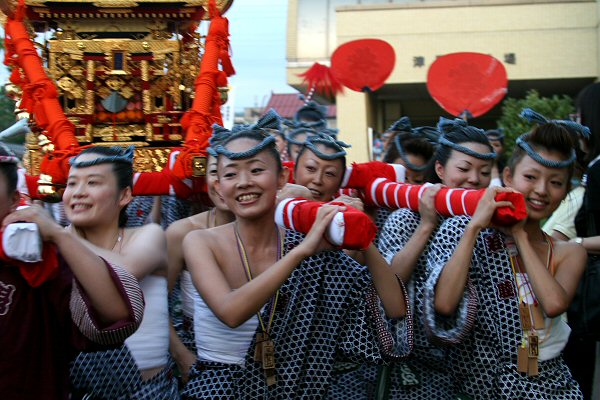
(119, 72)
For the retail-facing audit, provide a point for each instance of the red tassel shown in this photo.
(319, 78)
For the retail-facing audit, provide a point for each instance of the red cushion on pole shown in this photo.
(467, 82)
(363, 64)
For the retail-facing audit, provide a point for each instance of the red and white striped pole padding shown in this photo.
(359, 176)
(349, 192)
(349, 229)
(448, 202)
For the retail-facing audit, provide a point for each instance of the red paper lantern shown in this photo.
(467, 83)
(363, 65)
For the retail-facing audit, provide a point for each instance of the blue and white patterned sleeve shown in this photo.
(447, 330)
(366, 334)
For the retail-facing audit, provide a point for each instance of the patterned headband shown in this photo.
(522, 143)
(402, 125)
(328, 141)
(251, 152)
(125, 155)
(446, 126)
(573, 127)
(495, 134)
(330, 132)
(270, 120)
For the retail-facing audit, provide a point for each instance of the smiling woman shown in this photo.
(320, 166)
(518, 279)
(98, 191)
(253, 334)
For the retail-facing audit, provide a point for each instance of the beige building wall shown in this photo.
(549, 40)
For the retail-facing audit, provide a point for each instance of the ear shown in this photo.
(507, 176)
(439, 170)
(283, 178)
(125, 197)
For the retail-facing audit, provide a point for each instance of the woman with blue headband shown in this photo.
(99, 188)
(277, 306)
(497, 295)
(182, 342)
(411, 147)
(320, 166)
(403, 241)
(69, 301)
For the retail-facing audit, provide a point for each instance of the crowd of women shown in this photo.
(238, 307)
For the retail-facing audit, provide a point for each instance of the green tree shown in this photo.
(7, 108)
(555, 107)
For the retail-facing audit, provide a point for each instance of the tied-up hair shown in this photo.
(333, 132)
(270, 121)
(495, 134)
(401, 125)
(403, 131)
(573, 129)
(265, 142)
(328, 141)
(448, 127)
(313, 111)
(106, 155)
(291, 136)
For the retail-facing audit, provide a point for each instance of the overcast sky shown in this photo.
(258, 33)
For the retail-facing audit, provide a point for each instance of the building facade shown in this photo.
(547, 45)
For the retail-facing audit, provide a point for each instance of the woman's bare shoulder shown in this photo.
(569, 253)
(182, 227)
(145, 232)
(217, 233)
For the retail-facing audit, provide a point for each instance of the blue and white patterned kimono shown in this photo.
(327, 307)
(423, 375)
(486, 330)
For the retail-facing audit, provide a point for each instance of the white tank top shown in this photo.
(188, 293)
(554, 337)
(149, 345)
(215, 341)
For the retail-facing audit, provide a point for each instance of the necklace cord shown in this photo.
(248, 272)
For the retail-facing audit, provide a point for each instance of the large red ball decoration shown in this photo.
(467, 84)
(363, 65)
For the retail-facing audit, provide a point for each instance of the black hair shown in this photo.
(311, 112)
(9, 170)
(588, 105)
(122, 169)
(495, 134)
(457, 135)
(419, 146)
(547, 137)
